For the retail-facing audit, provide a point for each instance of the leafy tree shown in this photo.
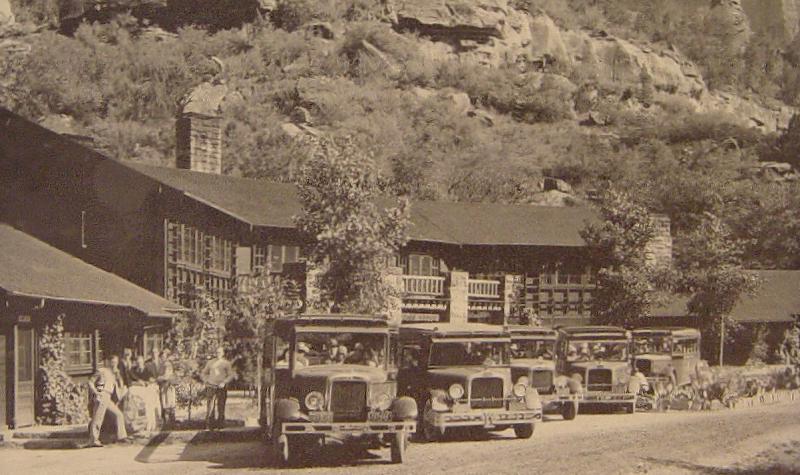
(355, 238)
(627, 283)
(258, 300)
(711, 273)
(61, 400)
(193, 340)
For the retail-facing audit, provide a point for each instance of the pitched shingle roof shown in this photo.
(265, 203)
(271, 204)
(32, 268)
(777, 300)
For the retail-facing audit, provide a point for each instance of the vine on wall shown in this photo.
(62, 401)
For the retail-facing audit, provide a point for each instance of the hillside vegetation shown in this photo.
(674, 101)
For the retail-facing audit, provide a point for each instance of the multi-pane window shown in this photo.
(221, 252)
(153, 341)
(420, 264)
(190, 245)
(276, 256)
(197, 260)
(78, 351)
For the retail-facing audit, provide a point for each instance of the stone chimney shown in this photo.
(198, 129)
(659, 250)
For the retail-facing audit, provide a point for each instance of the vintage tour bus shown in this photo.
(334, 375)
(600, 357)
(533, 360)
(460, 377)
(667, 354)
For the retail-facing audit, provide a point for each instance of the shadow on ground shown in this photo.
(244, 448)
(781, 459)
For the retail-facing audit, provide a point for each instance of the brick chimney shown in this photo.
(659, 249)
(198, 129)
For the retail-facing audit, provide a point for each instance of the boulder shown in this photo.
(547, 45)
(485, 117)
(205, 99)
(6, 15)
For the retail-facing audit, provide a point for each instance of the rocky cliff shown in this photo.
(494, 33)
(781, 17)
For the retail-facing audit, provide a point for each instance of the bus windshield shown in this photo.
(579, 350)
(660, 345)
(320, 348)
(533, 349)
(468, 353)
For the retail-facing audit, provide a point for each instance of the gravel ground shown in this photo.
(760, 440)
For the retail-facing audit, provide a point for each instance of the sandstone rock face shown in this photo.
(767, 118)
(487, 32)
(782, 16)
(6, 15)
(619, 61)
(733, 11)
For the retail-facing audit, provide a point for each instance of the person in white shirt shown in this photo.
(102, 387)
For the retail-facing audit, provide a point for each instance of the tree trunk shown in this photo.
(259, 377)
(721, 340)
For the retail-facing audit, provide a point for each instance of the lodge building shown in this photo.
(138, 238)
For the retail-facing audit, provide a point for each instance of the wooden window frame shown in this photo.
(79, 368)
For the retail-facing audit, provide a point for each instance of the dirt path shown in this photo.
(753, 440)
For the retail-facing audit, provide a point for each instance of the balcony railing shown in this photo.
(423, 285)
(483, 289)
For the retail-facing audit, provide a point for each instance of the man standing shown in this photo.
(102, 387)
(217, 374)
(155, 366)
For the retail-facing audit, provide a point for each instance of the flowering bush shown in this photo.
(62, 401)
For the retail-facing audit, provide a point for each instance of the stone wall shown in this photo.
(459, 300)
(199, 143)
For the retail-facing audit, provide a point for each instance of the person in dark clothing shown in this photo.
(140, 374)
(125, 365)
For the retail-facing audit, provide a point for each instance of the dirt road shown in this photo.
(751, 440)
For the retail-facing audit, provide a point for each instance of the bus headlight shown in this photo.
(315, 401)
(381, 402)
(456, 391)
(520, 390)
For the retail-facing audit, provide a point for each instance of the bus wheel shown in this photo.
(569, 411)
(523, 431)
(399, 447)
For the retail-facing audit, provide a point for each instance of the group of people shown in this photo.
(333, 352)
(135, 389)
(597, 351)
(132, 385)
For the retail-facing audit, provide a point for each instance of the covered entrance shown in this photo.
(39, 284)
